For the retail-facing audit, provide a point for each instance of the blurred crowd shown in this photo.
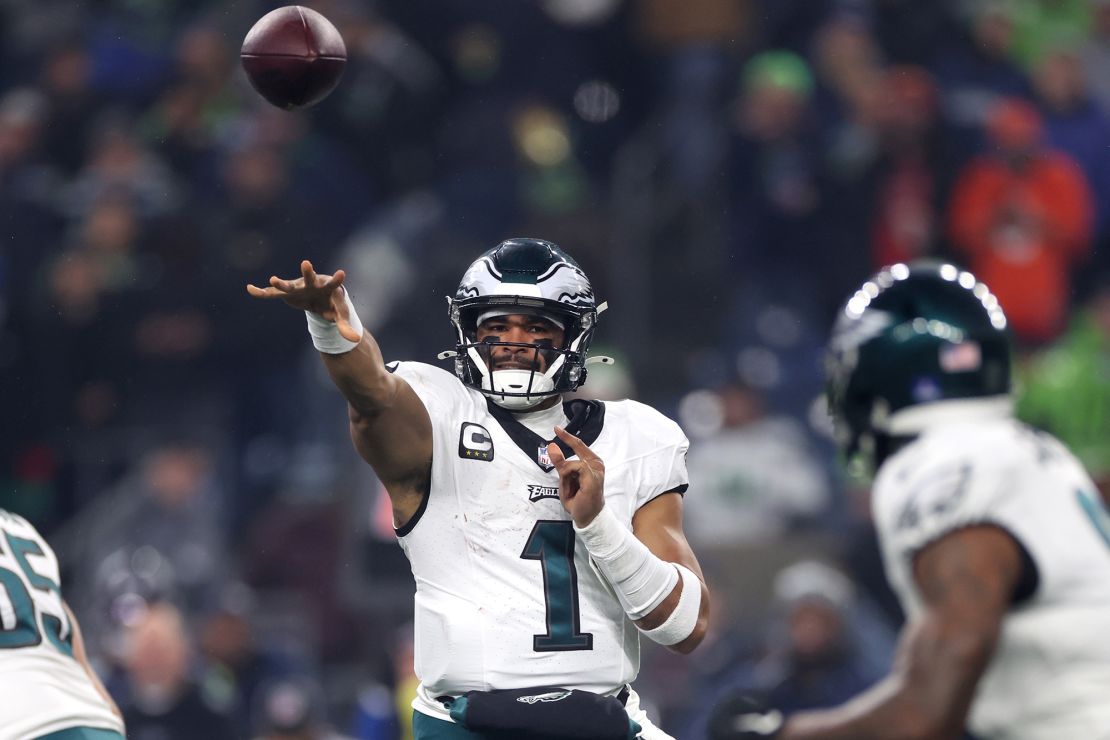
(726, 171)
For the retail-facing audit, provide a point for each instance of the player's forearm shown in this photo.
(658, 525)
(363, 379)
(885, 712)
(663, 597)
(355, 365)
(926, 698)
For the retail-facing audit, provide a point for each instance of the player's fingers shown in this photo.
(263, 292)
(572, 471)
(335, 280)
(308, 272)
(580, 448)
(285, 286)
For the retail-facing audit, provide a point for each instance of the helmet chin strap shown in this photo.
(500, 382)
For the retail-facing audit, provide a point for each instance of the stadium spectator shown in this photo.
(1021, 218)
(757, 477)
(775, 186)
(848, 102)
(291, 710)
(119, 162)
(1042, 25)
(1074, 124)
(975, 69)
(821, 646)
(915, 169)
(199, 104)
(158, 535)
(161, 700)
(238, 661)
(1095, 52)
(72, 105)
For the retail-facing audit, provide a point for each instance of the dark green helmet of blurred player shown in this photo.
(915, 344)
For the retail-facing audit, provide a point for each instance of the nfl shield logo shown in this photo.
(543, 458)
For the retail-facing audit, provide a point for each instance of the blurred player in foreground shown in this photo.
(47, 688)
(992, 534)
(544, 536)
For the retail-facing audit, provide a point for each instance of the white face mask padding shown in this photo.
(516, 381)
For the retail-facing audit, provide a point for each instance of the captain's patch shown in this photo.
(475, 442)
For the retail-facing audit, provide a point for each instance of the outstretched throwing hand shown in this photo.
(581, 481)
(320, 294)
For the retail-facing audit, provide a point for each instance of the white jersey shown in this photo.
(505, 595)
(1049, 677)
(43, 688)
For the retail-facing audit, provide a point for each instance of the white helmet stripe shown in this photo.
(492, 268)
(551, 271)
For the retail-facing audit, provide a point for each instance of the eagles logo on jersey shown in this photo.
(524, 276)
(910, 336)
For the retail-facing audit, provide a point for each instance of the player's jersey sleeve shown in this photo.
(441, 392)
(926, 498)
(658, 446)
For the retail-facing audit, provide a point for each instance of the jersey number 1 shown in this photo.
(552, 543)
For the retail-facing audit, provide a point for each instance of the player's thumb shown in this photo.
(558, 459)
(347, 331)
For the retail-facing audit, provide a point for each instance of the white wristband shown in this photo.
(640, 579)
(325, 334)
(684, 618)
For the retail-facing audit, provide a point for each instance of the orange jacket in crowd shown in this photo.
(1021, 230)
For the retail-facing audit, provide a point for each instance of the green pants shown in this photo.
(83, 733)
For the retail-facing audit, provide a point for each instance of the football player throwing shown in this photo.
(545, 535)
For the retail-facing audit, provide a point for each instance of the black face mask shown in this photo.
(544, 348)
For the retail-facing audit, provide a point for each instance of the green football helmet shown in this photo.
(913, 343)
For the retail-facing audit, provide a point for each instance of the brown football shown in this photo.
(293, 57)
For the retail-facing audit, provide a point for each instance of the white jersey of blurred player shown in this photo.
(44, 688)
(1049, 676)
(504, 598)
